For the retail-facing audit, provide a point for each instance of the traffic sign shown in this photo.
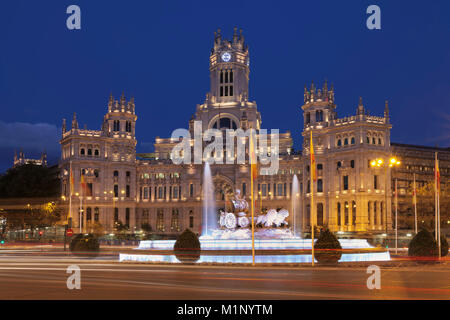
(69, 232)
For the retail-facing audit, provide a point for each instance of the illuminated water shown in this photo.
(300, 258)
(295, 199)
(209, 203)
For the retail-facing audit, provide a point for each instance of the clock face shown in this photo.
(226, 56)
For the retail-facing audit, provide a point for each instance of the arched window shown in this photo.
(353, 213)
(116, 125)
(96, 152)
(368, 139)
(89, 152)
(191, 219)
(225, 123)
(308, 118)
(320, 214)
(373, 140)
(175, 222)
(353, 140)
(379, 141)
(319, 185)
(339, 143)
(375, 217)
(346, 142)
(346, 213)
(339, 214)
(88, 214)
(96, 214)
(319, 116)
(82, 152)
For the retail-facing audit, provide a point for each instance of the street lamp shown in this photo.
(391, 162)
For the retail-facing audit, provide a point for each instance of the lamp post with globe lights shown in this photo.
(388, 164)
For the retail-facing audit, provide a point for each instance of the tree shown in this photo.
(423, 245)
(29, 181)
(328, 247)
(187, 247)
(85, 245)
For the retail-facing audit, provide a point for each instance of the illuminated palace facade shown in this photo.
(150, 192)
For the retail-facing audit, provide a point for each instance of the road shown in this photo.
(28, 274)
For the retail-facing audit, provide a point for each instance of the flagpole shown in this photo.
(312, 177)
(252, 169)
(415, 204)
(438, 187)
(70, 194)
(435, 197)
(396, 214)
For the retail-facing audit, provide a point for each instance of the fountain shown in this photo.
(209, 204)
(295, 200)
(232, 231)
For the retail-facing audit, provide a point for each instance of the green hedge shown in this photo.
(187, 247)
(85, 245)
(327, 248)
(423, 245)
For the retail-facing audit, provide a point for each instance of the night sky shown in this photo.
(157, 51)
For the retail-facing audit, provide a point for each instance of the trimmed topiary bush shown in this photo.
(85, 245)
(327, 249)
(444, 246)
(187, 247)
(423, 245)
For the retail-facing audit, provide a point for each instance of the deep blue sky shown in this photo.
(158, 52)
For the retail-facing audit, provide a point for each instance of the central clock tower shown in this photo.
(229, 68)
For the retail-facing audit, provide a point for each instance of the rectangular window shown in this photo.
(319, 185)
(145, 192)
(116, 214)
(175, 222)
(191, 190)
(280, 189)
(244, 189)
(221, 91)
(127, 217)
(175, 192)
(116, 191)
(231, 91)
(375, 182)
(127, 189)
(160, 220)
(160, 193)
(345, 182)
(191, 222)
(264, 190)
(88, 189)
(226, 91)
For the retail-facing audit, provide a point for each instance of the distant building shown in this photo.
(20, 160)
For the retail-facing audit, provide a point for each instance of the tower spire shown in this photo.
(386, 110)
(74, 121)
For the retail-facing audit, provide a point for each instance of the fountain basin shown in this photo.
(246, 244)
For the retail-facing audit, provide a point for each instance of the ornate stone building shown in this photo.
(150, 192)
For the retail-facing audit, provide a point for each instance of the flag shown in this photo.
(437, 175)
(253, 162)
(71, 181)
(83, 184)
(313, 160)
